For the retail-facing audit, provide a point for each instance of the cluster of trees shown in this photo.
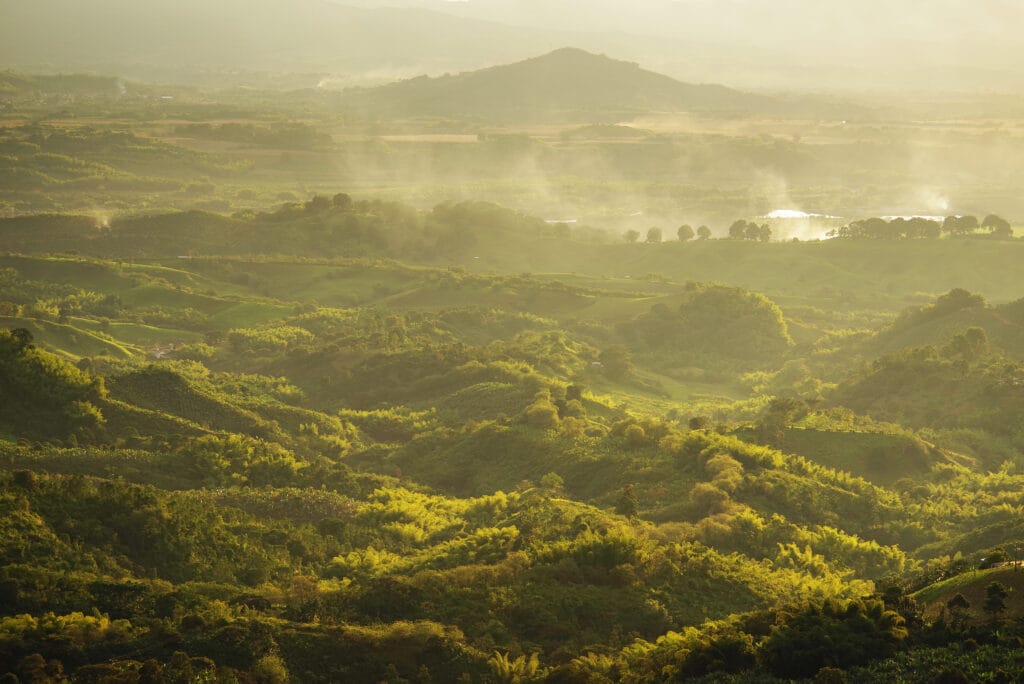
(321, 227)
(273, 582)
(997, 226)
(685, 233)
(749, 230)
(922, 228)
(714, 326)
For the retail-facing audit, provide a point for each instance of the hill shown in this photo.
(568, 84)
(451, 464)
(934, 597)
(939, 323)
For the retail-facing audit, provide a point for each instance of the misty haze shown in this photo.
(511, 341)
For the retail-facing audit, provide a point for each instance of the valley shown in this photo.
(555, 370)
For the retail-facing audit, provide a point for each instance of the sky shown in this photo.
(933, 43)
(803, 45)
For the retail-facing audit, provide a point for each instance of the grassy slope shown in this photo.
(877, 457)
(972, 585)
(69, 339)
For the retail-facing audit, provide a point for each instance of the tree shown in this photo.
(654, 234)
(571, 408)
(617, 362)
(996, 594)
(958, 607)
(179, 668)
(699, 423)
(553, 482)
(628, 504)
(738, 230)
(704, 233)
(635, 435)
(968, 223)
(509, 671)
(543, 414)
(317, 203)
(685, 233)
(998, 226)
(925, 228)
(832, 634)
(631, 236)
(32, 668)
(779, 414)
(270, 669)
(22, 339)
(970, 345)
(959, 225)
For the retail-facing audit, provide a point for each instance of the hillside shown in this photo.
(939, 323)
(374, 485)
(567, 84)
(346, 465)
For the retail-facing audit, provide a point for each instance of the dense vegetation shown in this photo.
(485, 475)
(251, 434)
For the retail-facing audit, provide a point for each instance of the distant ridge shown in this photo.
(568, 83)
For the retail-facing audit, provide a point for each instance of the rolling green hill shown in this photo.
(952, 314)
(273, 453)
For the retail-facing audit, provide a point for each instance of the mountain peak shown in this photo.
(565, 84)
(574, 58)
(570, 52)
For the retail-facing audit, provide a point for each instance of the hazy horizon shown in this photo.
(945, 47)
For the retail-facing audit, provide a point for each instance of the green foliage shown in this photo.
(716, 324)
(324, 468)
(268, 340)
(513, 671)
(744, 230)
(894, 229)
(542, 412)
(996, 594)
(43, 396)
(832, 635)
